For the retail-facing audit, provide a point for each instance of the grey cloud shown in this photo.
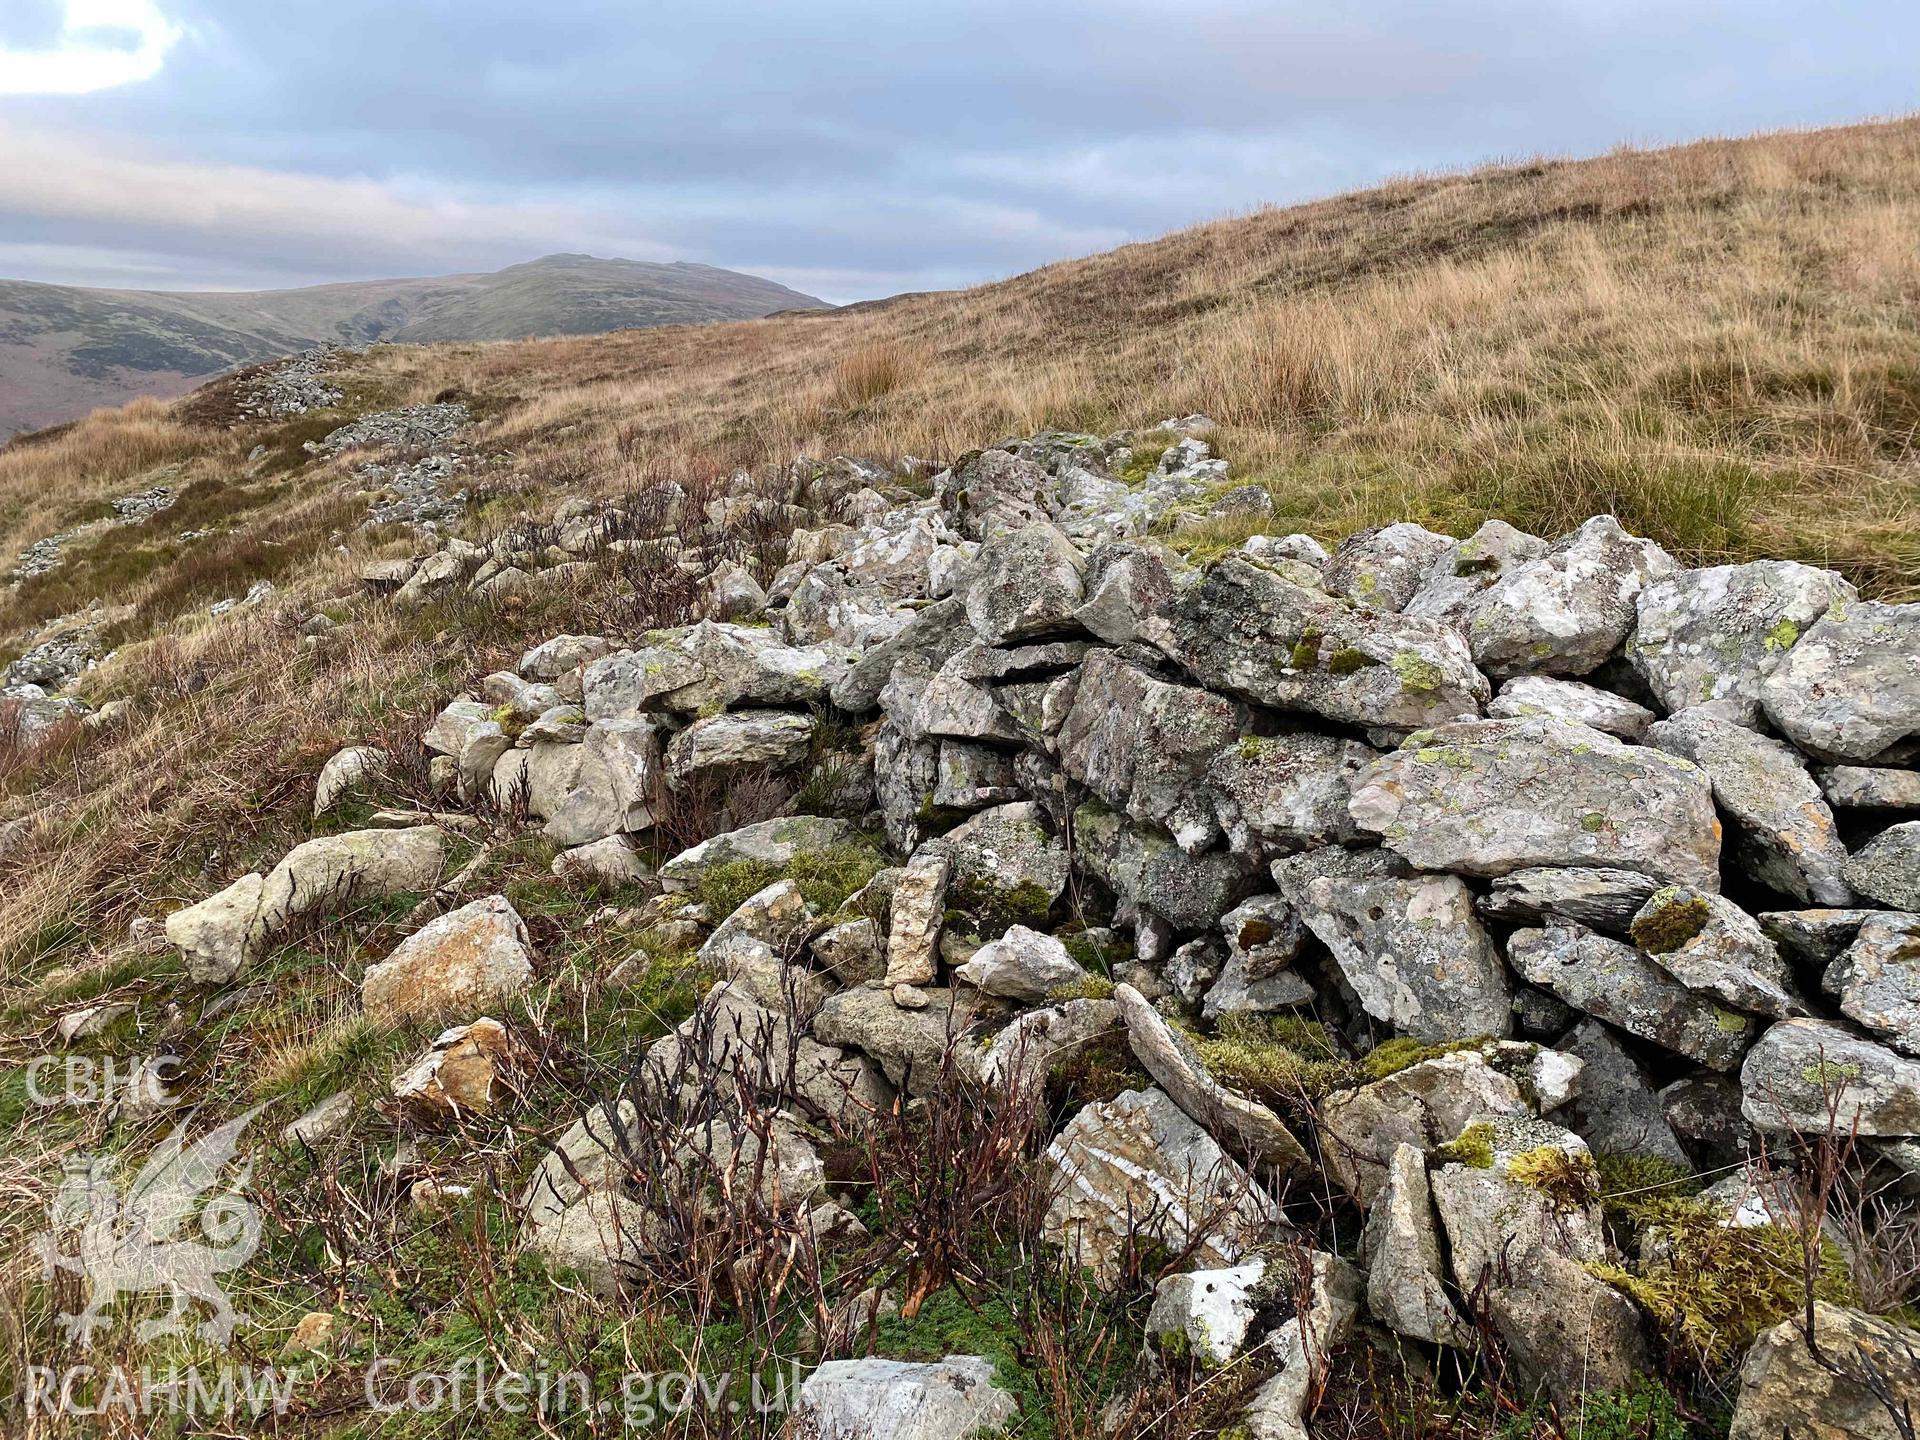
(883, 146)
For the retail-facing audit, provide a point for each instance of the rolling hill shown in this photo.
(64, 349)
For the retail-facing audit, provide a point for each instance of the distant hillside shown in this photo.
(64, 350)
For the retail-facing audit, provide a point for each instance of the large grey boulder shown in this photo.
(774, 738)
(336, 870)
(1026, 583)
(1714, 948)
(1814, 936)
(471, 959)
(1149, 873)
(771, 842)
(1456, 580)
(1863, 1384)
(1425, 1105)
(1247, 1128)
(1007, 868)
(1277, 793)
(1877, 979)
(1414, 952)
(1127, 586)
(1568, 611)
(992, 492)
(1806, 1074)
(1785, 830)
(1617, 1111)
(1887, 867)
(910, 1045)
(1406, 1282)
(1575, 700)
(1381, 568)
(1528, 1252)
(1712, 637)
(1021, 965)
(615, 783)
(1136, 1170)
(1600, 899)
(906, 773)
(1616, 983)
(1018, 1059)
(1861, 787)
(1143, 746)
(1850, 689)
(1255, 634)
(1490, 797)
(874, 1399)
(707, 667)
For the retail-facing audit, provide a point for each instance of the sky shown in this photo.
(848, 148)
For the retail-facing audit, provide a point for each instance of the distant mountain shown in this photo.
(64, 350)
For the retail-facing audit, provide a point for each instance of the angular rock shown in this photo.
(1150, 873)
(1617, 1111)
(1143, 746)
(562, 654)
(1600, 899)
(1424, 1105)
(1208, 1311)
(1263, 936)
(1527, 1252)
(1849, 690)
(1616, 983)
(1815, 936)
(906, 772)
(1258, 636)
(1878, 979)
(992, 492)
(934, 634)
(215, 935)
(1381, 568)
(470, 1070)
(611, 863)
(1029, 582)
(1304, 1346)
(919, 908)
(909, 1044)
(455, 725)
(1134, 1171)
(1568, 611)
(1455, 580)
(615, 785)
(1022, 964)
(1589, 705)
(1715, 948)
(1887, 867)
(1712, 637)
(1406, 1285)
(1490, 797)
(1007, 870)
(1414, 953)
(344, 774)
(472, 958)
(771, 842)
(873, 1399)
(1018, 1060)
(1864, 1384)
(972, 777)
(1246, 1127)
(1804, 1071)
(773, 738)
(1278, 793)
(1127, 586)
(1859, 787)
(1785, 829)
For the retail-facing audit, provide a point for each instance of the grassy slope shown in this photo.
(1717, 342)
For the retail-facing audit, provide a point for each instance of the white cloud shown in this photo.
(102, 44)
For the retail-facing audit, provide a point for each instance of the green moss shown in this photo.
(825, 877)
(1671, 918)
(1249, 747)
(1593, 822)
(1783, 636)
(1306, 650)
(1392, 1056)
(1638, 1189)
(1281, 1059)
(1473, 1147)
(1089, 987)
(1715, 1287)
(1346, 660)
(1419, 676)
(1569, 1181)
(1830, 1074)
